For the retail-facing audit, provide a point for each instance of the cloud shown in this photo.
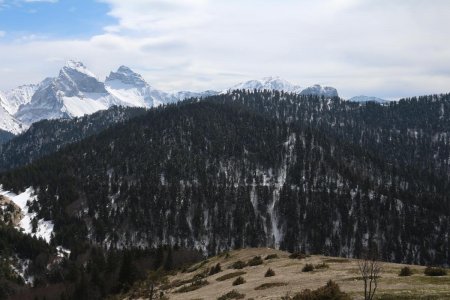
(382, 48)
(2, 33)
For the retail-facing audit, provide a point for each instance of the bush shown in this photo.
(269, 285)
(255, 261)
(297, 255)
(230, 275)
(231, 295)
(322, 266)
(435, 271)
(406, 271)
(269, 273)
(308, 268)
(192, 287)
(271, 256)
(330, 291)
(216, 269)
(239, 280)
(238, 265)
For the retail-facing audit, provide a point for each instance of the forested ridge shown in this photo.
(48, 136)
(254, 168)
(5, 136)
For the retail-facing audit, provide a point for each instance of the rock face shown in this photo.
(10, 213)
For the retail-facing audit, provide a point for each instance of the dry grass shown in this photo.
(230, 275)
(289, 272)
(269, 285)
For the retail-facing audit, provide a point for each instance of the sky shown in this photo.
(385, 48)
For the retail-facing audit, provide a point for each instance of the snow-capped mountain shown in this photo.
(75, 92)
(7, 121)
(278, 84)
(267, 83)
(319, 90)
(19, 96)
(182, 95)
(363, 99)
(133, 90)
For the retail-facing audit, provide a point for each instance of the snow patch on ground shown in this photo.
(62, 252)
(44, 228)
(20, 268)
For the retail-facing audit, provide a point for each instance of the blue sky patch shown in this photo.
(53, 19)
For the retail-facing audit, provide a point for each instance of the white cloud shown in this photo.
(2, 33)
(383, 48)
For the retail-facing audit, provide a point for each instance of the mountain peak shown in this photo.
(79, 67)
(125, 70)
(126, 76)
(74, 64)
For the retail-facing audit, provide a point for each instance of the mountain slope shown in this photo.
(133, 90)
(259, 169)
(5, 136)
(19, 96)
(48, 136)
(7, 121)
(288, 278)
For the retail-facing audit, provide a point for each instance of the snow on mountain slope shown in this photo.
(75, 92)
(19, 96)
(363, 99)
(182, 95)
(267, 83)
(44, 229)
(278, 84)
(7, 121)
(319, 90)
(133, 90)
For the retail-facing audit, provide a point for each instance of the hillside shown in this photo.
(289, 279)
(257, 169)
(48, 136)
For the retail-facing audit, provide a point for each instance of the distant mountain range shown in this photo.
(76, 91)
(364, 99)
(278, 84)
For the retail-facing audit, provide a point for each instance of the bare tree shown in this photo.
(370, 269)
